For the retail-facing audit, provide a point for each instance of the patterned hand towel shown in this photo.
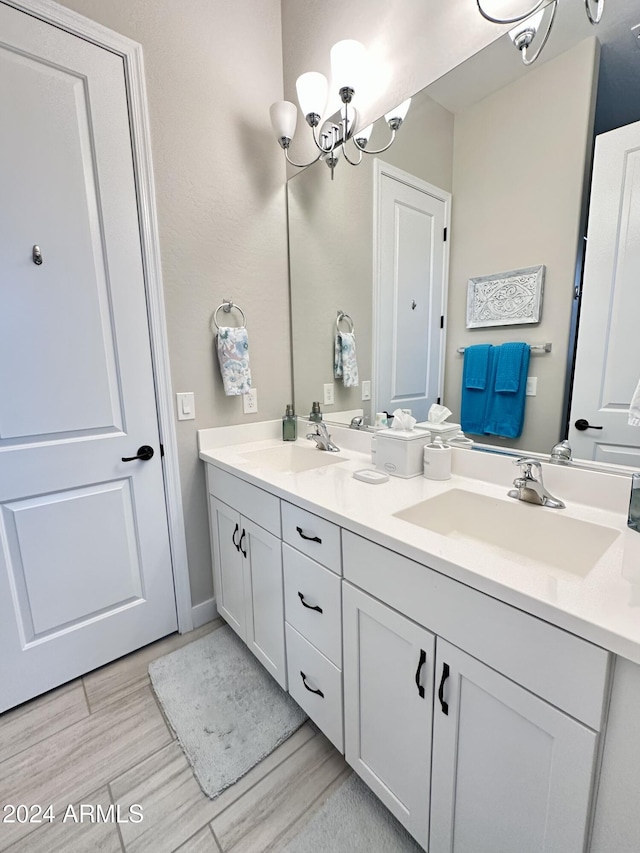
(233, 357)
(345, 363)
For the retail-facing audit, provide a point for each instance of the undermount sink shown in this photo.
(514, 528)
(292, 458)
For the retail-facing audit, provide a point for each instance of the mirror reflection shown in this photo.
(500, 156)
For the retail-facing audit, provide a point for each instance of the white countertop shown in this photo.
(602, 606)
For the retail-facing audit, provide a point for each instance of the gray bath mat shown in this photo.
(353, 820)
(226, 710)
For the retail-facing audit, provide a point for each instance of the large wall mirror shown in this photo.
(505, 154)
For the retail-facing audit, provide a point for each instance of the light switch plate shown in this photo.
(532, 386)
(366, 389)
(250, 402)
(329, 395)
(186, 406)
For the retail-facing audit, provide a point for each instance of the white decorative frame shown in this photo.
(505, 299)
(131, 53)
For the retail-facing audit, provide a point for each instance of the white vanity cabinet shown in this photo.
(247, 559)
(389, 665)
(507, 770)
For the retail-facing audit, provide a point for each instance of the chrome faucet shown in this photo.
(322, 438)
(530, 489)
(561, 453)
(634, 503)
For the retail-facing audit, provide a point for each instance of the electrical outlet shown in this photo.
(366, 390)
(329, 397)
(250, 402)
(532, 386)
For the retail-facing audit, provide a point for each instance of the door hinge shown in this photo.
(445, 235)
(162, 450)
(438, 400)
(442, 321)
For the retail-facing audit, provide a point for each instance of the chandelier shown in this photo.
(529, 24)
(331, 137)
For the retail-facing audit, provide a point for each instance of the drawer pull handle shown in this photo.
(309, 606)
(445, 674)
(240, 548)
(421, 663)
(310, 689)
(308, 538)
(233, 538)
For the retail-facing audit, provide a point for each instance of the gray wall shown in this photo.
(520, 158)
(212, 69)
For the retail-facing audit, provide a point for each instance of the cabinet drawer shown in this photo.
(566, 670)
(305, 664)
(252, 502)
(312, 603)
(312, 535)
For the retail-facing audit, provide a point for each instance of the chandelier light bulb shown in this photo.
(398, 114)
(284, 117)
(312, 88)
(347, 65)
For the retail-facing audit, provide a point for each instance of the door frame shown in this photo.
(380, 170)
(139, 127)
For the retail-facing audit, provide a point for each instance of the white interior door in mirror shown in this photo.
(85, 566)
(607, 366)
(410, 272)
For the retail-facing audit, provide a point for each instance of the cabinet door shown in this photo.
(510, 772)
(263, 585)
(228, 575)
(388, 692)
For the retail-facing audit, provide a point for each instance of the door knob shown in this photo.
(144, 454)
(583, 424)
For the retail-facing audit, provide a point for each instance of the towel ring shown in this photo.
(226, 306)
(347, 319)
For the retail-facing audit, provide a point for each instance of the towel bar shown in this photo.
(342, 316)
(535, 349)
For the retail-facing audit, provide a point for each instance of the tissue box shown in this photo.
(444, 430)
(400, 452)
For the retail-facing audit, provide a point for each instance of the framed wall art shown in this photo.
(506, 298)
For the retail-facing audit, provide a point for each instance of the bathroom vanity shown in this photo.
(458, 646)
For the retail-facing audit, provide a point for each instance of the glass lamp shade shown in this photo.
(284, 116)
(347, 63)
(312, 89)
(363, 136)
(399, 113)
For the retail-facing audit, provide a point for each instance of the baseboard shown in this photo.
(204, 612)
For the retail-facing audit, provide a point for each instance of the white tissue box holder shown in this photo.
(445, 430)
(400, 452)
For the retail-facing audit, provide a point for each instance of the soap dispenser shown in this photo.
(289, 424)
(315, 414)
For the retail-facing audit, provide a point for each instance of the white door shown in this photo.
(409, 291)
(85, 569)
(226, 530)
(607, 366)
(264, 598)
(510, 772)
(389, 664)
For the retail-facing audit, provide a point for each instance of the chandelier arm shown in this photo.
(525, 58)
(346, 156)
(300, 165)
(378, 150)
(599, 11)
(516, 20)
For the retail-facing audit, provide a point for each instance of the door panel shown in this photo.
(510, 771)
(607, 366)
(410, 246)
(85, 565)
(226, 529)
(388, 693)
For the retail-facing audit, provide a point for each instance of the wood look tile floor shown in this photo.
(102, 740)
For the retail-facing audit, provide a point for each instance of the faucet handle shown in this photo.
(526, 464)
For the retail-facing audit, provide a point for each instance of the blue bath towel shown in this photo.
(506, 399)
(476, 387)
